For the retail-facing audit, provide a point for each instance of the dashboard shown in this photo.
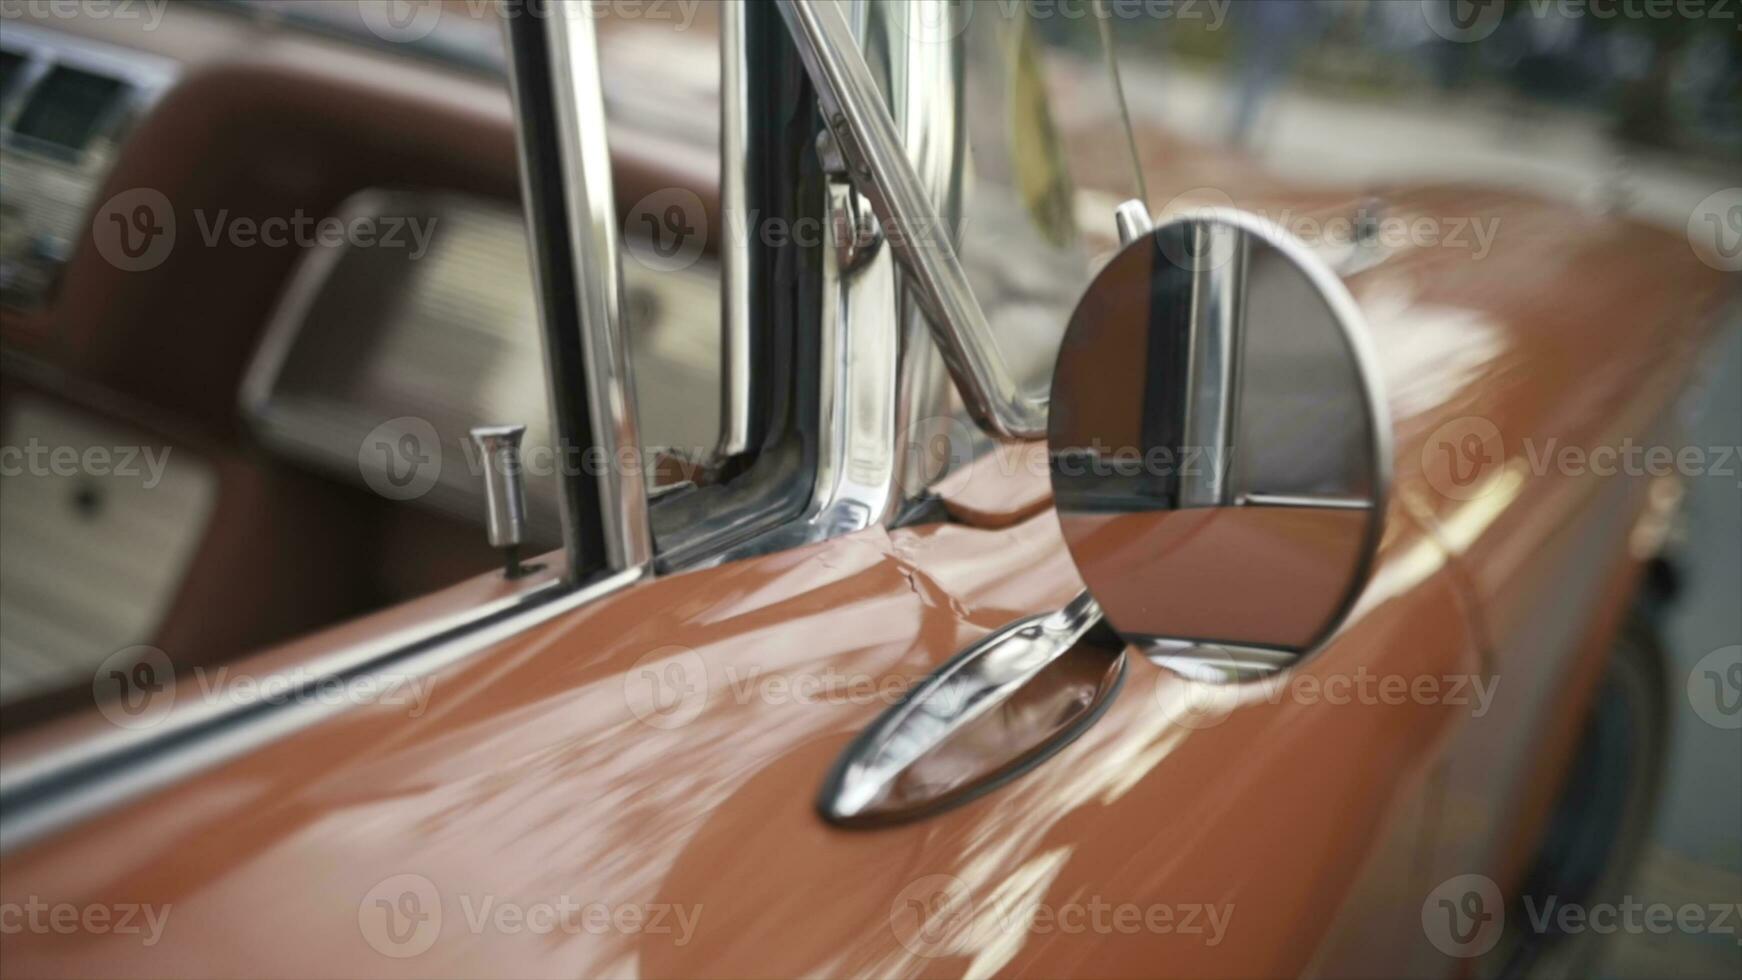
(66, 105)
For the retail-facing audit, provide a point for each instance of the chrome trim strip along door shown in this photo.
(43, 795)
(854, 109)
(735, 313)
(585, 165)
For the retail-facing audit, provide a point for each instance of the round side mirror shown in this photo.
(1219, 448)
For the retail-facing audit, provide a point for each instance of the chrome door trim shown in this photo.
(856, 435)
(879, 373)
(854, 109)
(976, 681)
(854, 478)
(735, 312)
(585, 161)
(84, 776)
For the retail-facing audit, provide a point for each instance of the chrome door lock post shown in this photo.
(504, 491)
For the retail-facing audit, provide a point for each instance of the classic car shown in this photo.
(793, 488)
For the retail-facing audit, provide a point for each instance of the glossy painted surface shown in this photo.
(1192, 573)
(659, 751)
(543, 770)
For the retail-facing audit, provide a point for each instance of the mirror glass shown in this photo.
(1219, 451)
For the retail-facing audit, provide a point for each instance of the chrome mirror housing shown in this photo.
(1220, 451)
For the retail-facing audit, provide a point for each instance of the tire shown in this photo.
(1603, 816)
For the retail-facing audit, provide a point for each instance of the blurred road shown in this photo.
(1697, 845)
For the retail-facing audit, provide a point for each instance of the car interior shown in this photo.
(246, 381)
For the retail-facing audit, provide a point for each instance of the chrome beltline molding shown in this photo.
(44, 795)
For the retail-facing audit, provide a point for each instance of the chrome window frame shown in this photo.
(835, 469)
(582, 171)
(870, 138)
(878, 373)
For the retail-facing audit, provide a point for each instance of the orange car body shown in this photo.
(1306, 835)
(1292, 830)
